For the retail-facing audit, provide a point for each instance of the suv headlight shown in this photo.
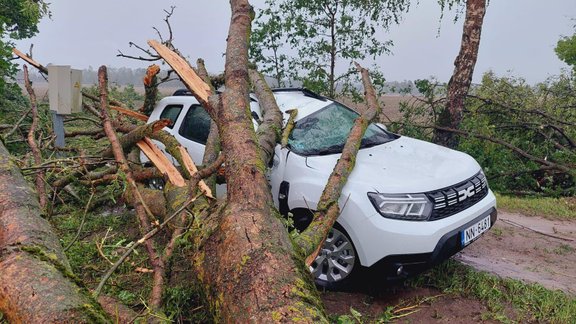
(413, 207)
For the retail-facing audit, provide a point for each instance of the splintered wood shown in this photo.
(130, 113)
(188, 75)
(161, 162)
(30, 61)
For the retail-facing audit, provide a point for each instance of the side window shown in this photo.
(171, 112)
(196, 124)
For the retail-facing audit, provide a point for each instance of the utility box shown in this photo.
(64, 86)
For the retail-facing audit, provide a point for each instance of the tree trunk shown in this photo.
(247, 262)
(36, 282)
(36, 153)
(269, 132)
(459, 83)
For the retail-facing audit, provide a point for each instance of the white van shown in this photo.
(407, 205)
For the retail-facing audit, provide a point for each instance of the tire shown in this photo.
(156, 183)
(337, 263)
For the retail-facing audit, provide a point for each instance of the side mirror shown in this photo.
(382, 126)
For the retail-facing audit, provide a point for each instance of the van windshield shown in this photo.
(325, 132)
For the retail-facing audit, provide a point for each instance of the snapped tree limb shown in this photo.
(328, 210)
(36, 153)
(269, 132)
(155, 299)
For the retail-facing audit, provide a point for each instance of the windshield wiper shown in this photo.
(337, 148)
(369, 142)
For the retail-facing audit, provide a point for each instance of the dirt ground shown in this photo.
(532, 249)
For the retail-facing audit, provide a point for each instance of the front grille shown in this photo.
(454, 199)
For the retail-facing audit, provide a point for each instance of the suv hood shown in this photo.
(405, 165)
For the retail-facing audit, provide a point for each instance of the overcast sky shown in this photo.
(518, 37)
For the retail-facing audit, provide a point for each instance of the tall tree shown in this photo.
(459, 83)
(306, 40)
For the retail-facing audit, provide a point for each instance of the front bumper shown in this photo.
(398, 267)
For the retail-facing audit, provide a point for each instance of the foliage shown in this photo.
(352, 318)
(127, 95)
(566, 50)
(184, 306)
(305, 40)
(539, 120)
(18, 20)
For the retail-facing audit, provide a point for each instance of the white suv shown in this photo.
(407, 205)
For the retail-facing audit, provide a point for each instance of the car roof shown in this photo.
(306, 101)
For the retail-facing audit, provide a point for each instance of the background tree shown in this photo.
(566, 50)
(459, 83)
(18, 20)
(305, 40)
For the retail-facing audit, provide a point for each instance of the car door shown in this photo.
(193, 131)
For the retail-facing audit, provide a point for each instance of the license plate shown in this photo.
(473, 232)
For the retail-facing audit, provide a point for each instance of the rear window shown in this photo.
(196, 124)
(171, 112)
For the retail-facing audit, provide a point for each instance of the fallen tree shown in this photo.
(37, 283)
(248, 266)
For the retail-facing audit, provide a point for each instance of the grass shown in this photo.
(105, 234)
(508, 300)
(552, 208)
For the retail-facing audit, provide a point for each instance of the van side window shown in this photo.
(196, 124)
(171, 112)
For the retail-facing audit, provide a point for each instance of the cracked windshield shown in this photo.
(326, 131)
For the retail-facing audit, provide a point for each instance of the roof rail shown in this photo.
(186, 92)
(182, 92)
(306, 92)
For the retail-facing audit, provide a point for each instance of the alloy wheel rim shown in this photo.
(336, 258)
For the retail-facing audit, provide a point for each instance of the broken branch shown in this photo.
(145, 238)
(328, 209)
(196, 85)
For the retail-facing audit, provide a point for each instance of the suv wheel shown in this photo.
(336, 261)
(156, 183)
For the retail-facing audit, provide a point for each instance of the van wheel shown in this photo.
(337, 260)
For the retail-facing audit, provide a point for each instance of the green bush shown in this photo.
(538, 121)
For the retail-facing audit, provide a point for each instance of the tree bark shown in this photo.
(155, 260)
(36, 282)
(150, 89)
(40, 185)
(247, 262)
(212, 149)
(128, 141)
(459, 84)
(270, 131)
(255, 276)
